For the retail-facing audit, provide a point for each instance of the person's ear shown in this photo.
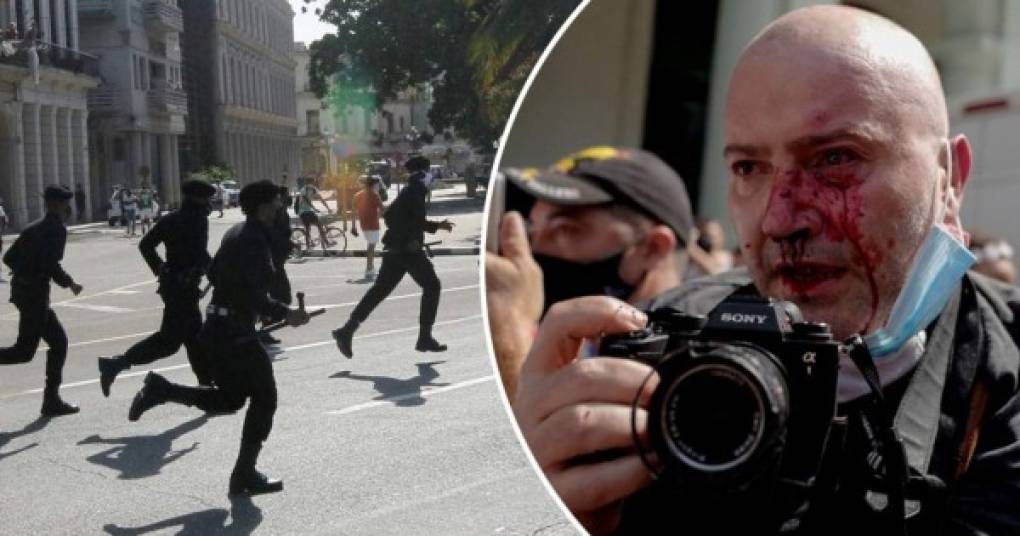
(659, 245)
(961, 162)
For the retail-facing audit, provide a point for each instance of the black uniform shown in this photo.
(281, 246)
(404, 253)
(241, 274)
(185, 235)
(35, 260)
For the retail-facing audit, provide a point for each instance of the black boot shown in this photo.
(345, 337)
(153, 393)
(245, 479)
(109, 368)
(52, 405)
(426, 343)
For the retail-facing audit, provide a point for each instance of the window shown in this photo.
(118, 149)
(312, 118)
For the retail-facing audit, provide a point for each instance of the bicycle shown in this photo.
(335, 235)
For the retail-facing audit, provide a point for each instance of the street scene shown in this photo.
(391, 441)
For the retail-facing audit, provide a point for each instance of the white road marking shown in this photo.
(122, 292)
(414, 394)
(97, 308)
(288, 349)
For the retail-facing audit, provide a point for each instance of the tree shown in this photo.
(476, 54)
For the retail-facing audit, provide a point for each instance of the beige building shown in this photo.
(43, 84)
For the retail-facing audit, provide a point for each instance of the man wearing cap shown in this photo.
(35, 260)
(241, 274)
(603, 221)
(185, 235)
(406, 225)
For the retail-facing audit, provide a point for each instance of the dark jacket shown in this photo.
(242, 272)
(185, 235)
(35, 259)
(406, 222)
(974, 340)
(280, 240)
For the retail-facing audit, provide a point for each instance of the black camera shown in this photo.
(746, 398)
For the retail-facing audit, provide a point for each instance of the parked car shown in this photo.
(231, 194)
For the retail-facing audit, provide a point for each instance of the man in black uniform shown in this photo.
(185, 235)
(406, 224)
(241, 274)
(35, 260)
(281, 245)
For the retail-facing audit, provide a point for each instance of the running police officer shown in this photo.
(35, 260)
(241, 274)
(406, 224)
(281, 245)
(185, 235)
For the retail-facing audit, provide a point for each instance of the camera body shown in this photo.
(746, 397)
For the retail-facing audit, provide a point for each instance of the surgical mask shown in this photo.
(426, 179)
(933, 279)
(563, 279)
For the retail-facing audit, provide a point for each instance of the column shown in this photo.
(48, 134)
(33, 161)
(61, 37)
(43, 30)
(175, 170)
(16, 205)
(137, 159)
(166, 185)
(80, 160)
(72, 19)
(62, 131)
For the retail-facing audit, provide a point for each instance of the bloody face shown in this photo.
(831, 186)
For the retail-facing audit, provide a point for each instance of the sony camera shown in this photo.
(746, 398)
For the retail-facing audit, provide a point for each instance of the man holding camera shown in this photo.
(841, 171)
(602, 221)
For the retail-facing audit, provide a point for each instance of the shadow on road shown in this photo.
(142, 456)
(244, 517)
(402, 392)
(30, 428)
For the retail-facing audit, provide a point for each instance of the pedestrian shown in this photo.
(368, 206)
(35, 260)
(406, 224)
(241, 274)
(129, 209)
(146, 210)
(308, 213)
(79, 202)
(217, 198)
(184, 234)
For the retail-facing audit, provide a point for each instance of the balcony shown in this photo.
(104, 101)
(166, 100)
(161, 18)
(50, 55)
(95, 9)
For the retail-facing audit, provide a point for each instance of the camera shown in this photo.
(746, 398)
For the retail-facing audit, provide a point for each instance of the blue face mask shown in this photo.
(934, 276)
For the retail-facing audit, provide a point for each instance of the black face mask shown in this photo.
(563, 279)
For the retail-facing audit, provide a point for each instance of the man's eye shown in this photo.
(744, 168)
(837, 157)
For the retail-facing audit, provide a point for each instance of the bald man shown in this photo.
(841, 163)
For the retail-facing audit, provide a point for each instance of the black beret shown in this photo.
(257, 193)
(417, 163)
(57, 191)
(197, 188)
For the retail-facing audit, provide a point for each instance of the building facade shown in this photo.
(43, 84)
(239, 76)
(137, 112)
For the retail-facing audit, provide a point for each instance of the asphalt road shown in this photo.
(391, 442)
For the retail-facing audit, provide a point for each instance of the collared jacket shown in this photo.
(242, 272)
(974, 341)
(406, 222)
(35, 259)
(185, 235)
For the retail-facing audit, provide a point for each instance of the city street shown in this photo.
(390, 442)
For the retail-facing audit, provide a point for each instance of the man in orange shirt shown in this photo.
(368, 206)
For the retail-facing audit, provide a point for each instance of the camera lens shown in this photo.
(720, 412)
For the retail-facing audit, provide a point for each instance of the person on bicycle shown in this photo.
(308, 213)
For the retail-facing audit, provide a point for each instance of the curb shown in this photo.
(362, 253)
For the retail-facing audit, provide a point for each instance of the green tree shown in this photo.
(475, 53)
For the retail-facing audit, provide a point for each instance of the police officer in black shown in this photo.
(241, 273)
(185, 235)
(406, 225)
(35, 260)
(281, 245)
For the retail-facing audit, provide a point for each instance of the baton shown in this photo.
(208, 287)
(283, 323)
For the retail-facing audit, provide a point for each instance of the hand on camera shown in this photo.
(568, 408)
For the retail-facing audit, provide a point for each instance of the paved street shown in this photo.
(391, 442)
